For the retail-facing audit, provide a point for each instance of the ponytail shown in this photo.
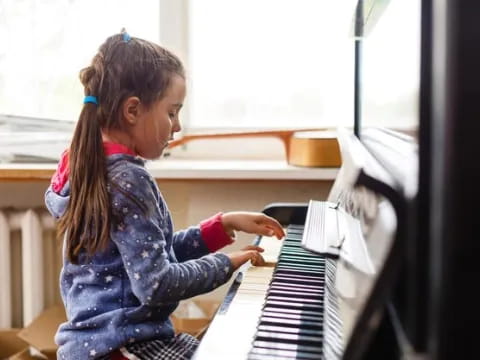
(123, 67)
(86, 222)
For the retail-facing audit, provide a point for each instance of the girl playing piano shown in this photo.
(124, 268)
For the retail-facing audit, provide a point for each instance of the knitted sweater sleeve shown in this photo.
(141, 229)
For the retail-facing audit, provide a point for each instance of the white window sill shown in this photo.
(193, 169)
(237, 169)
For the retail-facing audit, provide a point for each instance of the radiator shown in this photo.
(30, 259)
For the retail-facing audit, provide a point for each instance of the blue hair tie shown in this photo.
(126, 37)
(90, 99)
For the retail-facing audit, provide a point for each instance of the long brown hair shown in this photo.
(123, 67)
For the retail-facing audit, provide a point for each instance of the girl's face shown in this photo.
(156, 125)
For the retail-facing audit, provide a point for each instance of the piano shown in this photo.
(393, 280)
(325, 286)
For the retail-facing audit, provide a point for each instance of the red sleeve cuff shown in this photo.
(213, 233)
(60, 177)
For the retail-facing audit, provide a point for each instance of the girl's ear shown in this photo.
(131, 110)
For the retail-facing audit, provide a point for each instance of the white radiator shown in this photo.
(37, 260)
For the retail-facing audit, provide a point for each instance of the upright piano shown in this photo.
(394, 279)
(325, 287)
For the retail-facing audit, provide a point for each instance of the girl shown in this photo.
(124, 269)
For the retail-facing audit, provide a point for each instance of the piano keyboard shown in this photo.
(277, 312)
(291, 323)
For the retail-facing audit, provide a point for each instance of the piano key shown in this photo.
(300, 257)
(292, 278)
(291, 272)
(306, 270)
(289, 330)
(268, 357)
(295, 311)
(298, 289)
(288, 338)
(296, 252)
(300, 328)
(297, 247)
(295, 233)
(288, 282)
(282, 353)
(285, 346)
(304, 264)
(301, 278)
(317, 267)
(315, 271)
(306, 295)
(269, 320)
(282, 315)
(292, 305)
(290, 299)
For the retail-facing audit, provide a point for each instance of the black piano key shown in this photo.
(299, 300)
(295, 311)
(288, 282)
(288, 338)
(296, 246)
(284, 353)
(292, 305)
(306, 261)
(317, 269)
(282, 315)
(298, 274)
(295, 234)
(312, 265)
(293, 242)
(268, 357)
(295, 229)
(284, 346)
(305, 295)
(296, 252)
(304, 272)
(292, 274)
(288, 246)
(303, 324)
(289, 330)
(299, 257)
(292, 279)
(298, 289)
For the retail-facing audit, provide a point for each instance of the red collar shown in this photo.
(111, 148)
(61, 174)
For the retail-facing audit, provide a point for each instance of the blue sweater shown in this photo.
(127, 293)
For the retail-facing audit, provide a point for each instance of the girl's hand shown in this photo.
(251, 252)
(252, 223)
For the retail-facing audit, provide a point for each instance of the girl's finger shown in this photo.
(262, 229)
(254, 247)
(258, 260)
(273, 225)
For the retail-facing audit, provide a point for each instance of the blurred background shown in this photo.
(250, 64)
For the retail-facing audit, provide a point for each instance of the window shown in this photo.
(271, 63)
(45, 43)
(391, 68)
(250, 64)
